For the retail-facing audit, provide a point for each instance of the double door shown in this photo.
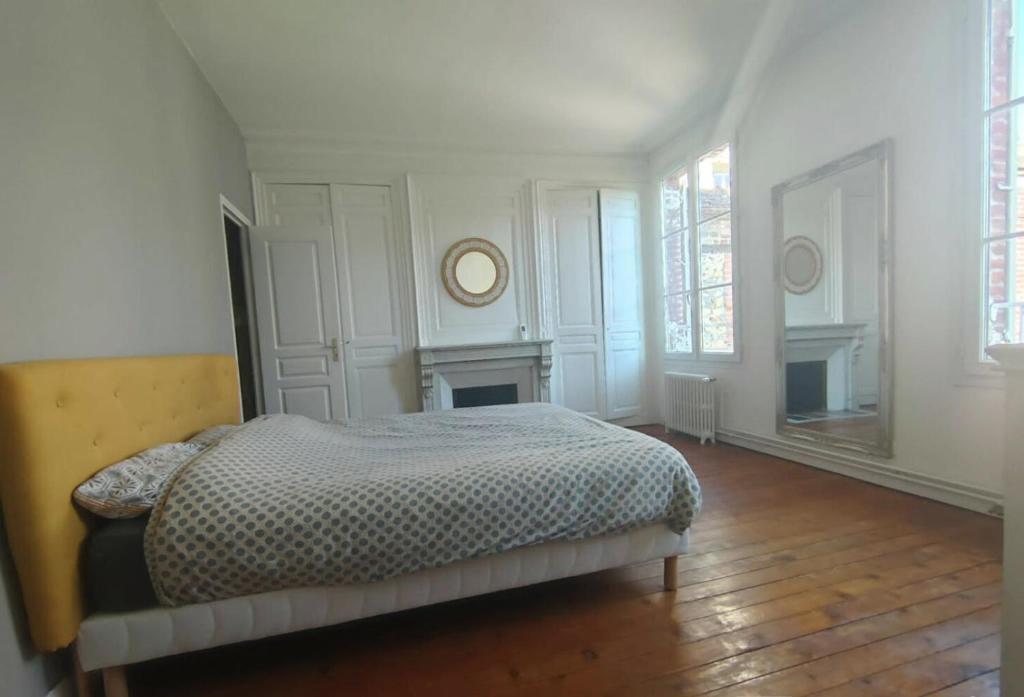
(329, 303)
(593, 286)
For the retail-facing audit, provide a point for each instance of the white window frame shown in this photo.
(690, 165)
(977, 368)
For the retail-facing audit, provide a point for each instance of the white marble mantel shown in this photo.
(524, 363)
(824, 333)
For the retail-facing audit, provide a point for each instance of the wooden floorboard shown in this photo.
(985, 685)
(799, 582)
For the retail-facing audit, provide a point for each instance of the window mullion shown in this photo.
(1005, 106)
(694, 247)
(1001, 238)
(716, 216)
(1010, 274)
(713, 286)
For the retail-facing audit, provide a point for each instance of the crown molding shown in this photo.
(309, 141)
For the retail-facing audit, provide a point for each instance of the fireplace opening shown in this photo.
(484, 396)
(806, 387)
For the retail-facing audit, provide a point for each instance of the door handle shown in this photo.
(333, 346)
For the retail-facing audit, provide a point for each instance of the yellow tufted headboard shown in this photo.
(61, 422)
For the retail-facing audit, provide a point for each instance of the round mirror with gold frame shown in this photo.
(475, 272)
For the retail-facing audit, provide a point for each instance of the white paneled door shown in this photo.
(574, 248)
(593, 247)
(623, 302)
(299, 324)
(334, 340)
(379, 371)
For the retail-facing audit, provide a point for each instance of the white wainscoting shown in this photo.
(434, 208)
(955, 493)
(446, 209)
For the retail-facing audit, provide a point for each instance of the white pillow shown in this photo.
(129, 488)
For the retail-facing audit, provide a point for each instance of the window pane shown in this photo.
(675, 196)
(1003, 174)
(1004, 60)
(716, 320)
(678, 334)
(676, 263)
(713, 184)
(716, 251)
(1004, 290)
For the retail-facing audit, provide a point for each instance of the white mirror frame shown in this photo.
(451, 262)
(881, 153)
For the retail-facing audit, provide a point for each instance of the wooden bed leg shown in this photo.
(83, 680)
(114, 682)
(671, 573)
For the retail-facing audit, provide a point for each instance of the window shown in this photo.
(1002, 242)
(697, 257)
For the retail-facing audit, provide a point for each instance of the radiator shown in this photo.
(690, 405)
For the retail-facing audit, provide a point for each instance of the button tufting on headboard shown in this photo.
(45, 453)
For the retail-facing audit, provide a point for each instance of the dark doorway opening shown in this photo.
(485, 396)
(236, 237)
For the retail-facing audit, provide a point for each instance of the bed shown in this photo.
(62, 421)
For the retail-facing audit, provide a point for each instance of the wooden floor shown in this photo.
(799, 582)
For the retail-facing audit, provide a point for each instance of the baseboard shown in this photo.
(64, 688)
(954, 493)
(631, 421)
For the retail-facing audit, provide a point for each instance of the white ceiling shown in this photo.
(580, 76)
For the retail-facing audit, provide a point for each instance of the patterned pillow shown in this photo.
(129, 488)
(205, 439)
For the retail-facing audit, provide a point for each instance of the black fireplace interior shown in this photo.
(806, 387)
(484, 396)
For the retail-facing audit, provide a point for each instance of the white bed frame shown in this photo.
(109, 641)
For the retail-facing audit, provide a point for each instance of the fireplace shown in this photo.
(485, 395)
(481, 374)
(806, 386)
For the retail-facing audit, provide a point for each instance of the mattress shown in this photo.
(113, 639)
(116, 577)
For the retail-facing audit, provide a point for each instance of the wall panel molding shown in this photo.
(445, 209)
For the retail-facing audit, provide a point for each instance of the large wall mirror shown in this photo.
(832, 229)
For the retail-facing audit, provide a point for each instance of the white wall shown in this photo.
(114, 152)
(888, 70)
(454, 194)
